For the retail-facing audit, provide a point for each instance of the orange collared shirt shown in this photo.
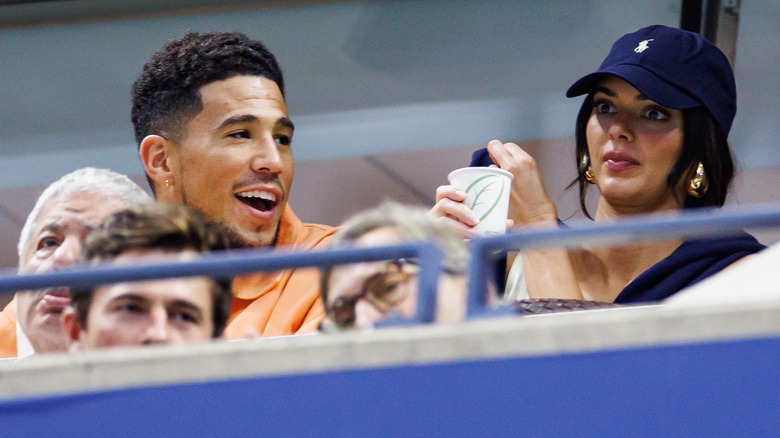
(286, 302)
(8, 331)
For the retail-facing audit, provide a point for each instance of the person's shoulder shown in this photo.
(8, 331)
(9, 313)
(743, 243)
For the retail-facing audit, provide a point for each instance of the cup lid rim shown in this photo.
(495, 170)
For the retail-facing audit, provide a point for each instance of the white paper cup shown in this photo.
(487, 195)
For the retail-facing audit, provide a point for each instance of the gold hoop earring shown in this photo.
(699, 183)
(586, 170)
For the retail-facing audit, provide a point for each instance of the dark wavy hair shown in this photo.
(160, 226)
(703, 140)
(166, 94)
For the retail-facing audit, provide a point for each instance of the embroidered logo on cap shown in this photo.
(643, 45)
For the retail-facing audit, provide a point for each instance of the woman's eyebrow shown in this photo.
(604, 90)
(611, 93)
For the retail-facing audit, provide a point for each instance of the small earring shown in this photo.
(699, 183)
(590, 176)
(167, 183)
(585, 166)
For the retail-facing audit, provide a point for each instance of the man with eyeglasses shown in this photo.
(358, 295)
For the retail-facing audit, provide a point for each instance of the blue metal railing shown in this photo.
(686, 225)
(231, 263)
(710, 222)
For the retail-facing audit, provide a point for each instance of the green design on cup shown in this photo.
(484, 189)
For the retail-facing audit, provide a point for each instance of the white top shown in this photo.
(23, 346)
(516, 287)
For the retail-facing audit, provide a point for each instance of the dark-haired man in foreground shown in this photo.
(164, 311)
(214, 133)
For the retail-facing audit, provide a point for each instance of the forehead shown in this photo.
(238, 95)
(152, 255)
(379, 237)
(76, 210)
(135, 256)
(194, 290)
(347, 279)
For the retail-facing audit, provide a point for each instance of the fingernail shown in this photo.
(473, 218)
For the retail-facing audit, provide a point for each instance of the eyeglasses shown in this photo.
(378, 289)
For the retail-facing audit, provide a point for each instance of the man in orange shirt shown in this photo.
(213, 131)
(51, 239)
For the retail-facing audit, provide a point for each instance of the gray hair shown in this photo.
(89, 179)
(412, 223)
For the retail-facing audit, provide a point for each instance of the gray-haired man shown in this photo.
(51, 239)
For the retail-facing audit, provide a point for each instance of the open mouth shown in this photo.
(258, 200)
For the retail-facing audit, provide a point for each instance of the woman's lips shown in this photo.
(617, 161)
(618, 165)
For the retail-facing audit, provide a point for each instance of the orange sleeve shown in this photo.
(8, 331)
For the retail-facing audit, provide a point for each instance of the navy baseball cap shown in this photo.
(673, 67)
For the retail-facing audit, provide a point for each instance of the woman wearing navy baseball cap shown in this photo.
(651, 137)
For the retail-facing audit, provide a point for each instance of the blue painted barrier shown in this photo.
(726, 388)
(715, 389)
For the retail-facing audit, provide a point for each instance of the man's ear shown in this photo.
(158, 156)
(72, 328)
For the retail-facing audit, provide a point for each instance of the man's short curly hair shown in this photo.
(166, 94)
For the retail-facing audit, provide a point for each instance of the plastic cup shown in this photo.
(487, 195)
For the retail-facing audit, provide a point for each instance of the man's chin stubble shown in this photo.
(237, 241)
(235, 238)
